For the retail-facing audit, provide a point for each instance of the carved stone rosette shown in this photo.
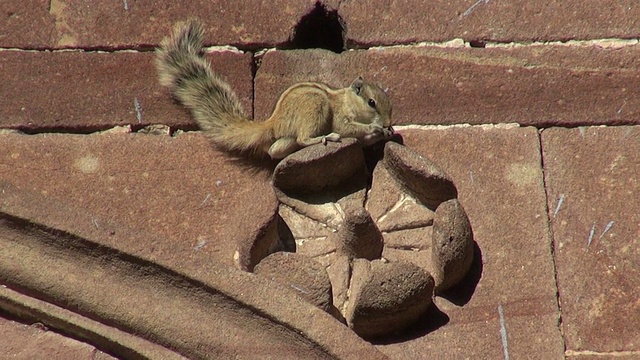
(370, 247)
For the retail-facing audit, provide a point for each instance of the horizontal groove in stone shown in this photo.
(614, 43)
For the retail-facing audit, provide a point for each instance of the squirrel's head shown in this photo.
(376, 103)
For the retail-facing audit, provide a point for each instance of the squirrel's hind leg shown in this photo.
(282, 147)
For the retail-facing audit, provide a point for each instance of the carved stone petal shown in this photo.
(387, 297)
(384, 193)
(451, 246)
(427, 182)
(340, 274)
(358, 236)
(320, 166)
(307, 277)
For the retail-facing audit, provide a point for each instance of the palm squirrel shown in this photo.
(307, 113)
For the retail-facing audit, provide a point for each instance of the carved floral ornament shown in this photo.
(369, 247)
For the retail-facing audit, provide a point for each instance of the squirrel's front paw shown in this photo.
(376, 133)
(388, 132)
(333, 137)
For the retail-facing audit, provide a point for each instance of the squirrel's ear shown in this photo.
(357, 84)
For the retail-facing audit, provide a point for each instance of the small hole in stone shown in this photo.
(477, 44)
(320, 28)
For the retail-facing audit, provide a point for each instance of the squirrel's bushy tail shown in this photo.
(215, 107)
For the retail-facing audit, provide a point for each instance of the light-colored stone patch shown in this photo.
(87, 164)
(523, 174)
(597, 307)
(66, 35)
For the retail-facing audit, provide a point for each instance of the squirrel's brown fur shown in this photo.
(305, 114)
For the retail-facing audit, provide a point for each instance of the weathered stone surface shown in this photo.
(387, 297)
(498, 175)
(409, 215)
(318, 167)
(532, 85)
(26, 24)
(421, 258)
(20, 341)
(593, 187)
(305, 276)
(134, 24)
(131, 24)
(451, 245)
(428, 85)
(263, 241)
(211, 309)
(89, 91)
(177, 187)
(412, 21)
(336, 229)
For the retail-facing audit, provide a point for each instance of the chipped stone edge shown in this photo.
(457, 43)
(222, 48)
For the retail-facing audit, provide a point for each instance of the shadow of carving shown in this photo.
(286, 240)
(386, 226)
(430, 321)
(374, 153)
(461, 293)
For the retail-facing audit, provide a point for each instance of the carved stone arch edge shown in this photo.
(77, 279)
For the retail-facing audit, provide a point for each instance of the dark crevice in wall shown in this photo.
(477, 44)
(550, 235)
(321, 28)
(255, 65)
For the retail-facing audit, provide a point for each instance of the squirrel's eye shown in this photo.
(372, 103)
